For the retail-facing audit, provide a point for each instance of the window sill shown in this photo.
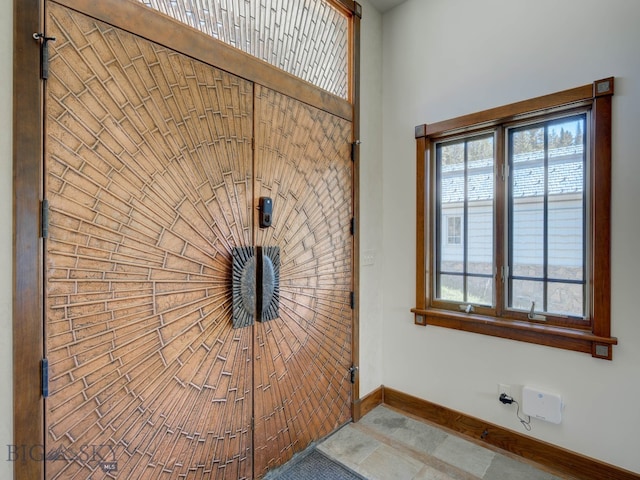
(552, 336)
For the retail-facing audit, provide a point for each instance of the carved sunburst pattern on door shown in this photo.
(148, 176)
(302, 384)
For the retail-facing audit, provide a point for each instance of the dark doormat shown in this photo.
(313, 466)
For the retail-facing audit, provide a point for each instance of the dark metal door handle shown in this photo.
(255, 285)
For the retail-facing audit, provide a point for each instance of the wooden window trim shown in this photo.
(595, 339)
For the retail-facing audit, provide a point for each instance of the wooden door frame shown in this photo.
(28, 136)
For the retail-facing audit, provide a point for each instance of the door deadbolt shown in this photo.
(265, 205)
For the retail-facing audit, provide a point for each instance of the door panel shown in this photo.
(148, 176)
(302, 359)
(152, 180)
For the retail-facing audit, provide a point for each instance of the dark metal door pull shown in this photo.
(255, 285)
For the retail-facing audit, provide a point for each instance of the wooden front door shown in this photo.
(302, 385)
(153, 166)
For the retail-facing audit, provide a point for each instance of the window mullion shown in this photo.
(437, 238)
(501, 177)
(586, 226)
(545, 220)
(510, 207)
(465, 225)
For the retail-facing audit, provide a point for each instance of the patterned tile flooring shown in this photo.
(386, 444)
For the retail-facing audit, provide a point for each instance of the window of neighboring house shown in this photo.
(454, 223)
(513, 221)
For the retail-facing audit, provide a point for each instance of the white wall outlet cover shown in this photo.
(542, 405)
(504, 388)
(368, 257)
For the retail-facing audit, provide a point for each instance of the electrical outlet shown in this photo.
(504, 388)
(368, 257)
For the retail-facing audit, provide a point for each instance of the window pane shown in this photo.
(480, 290)
(452, 251)
(565, 136)
(451, 288)
(566, 239)
(451, 192)
(528, 144)
(524, 292)
(547, 216)
(565, 299)
(566, 200)
(528, 237)
(480, 257)
(480, 188)
(464, 219)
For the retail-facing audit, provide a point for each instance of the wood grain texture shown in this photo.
(132, 16)
(600, 295)
(150, 178)
(367, 403)
(355, 194)
(148, 175)
(27, 246)
(559, 459)
(302, 359)
(506, 113)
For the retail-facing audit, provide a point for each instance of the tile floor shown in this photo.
(386, 444)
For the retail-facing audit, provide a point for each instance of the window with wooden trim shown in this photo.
(513, 221)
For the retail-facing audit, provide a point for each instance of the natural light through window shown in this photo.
(513, 221)
(464, 269)
(547, 206)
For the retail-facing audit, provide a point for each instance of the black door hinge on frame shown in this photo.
(352, 228)
(44, 368)
(352, 371)
(352, 300)
(44, 218)
(44, 53)
(353, 149)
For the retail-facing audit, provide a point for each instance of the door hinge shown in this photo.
(44, 218)
(44, 367)
(44, 53)
(505, 171)
(352, 228)
(352, 300)
(354, 145)
(352, 371)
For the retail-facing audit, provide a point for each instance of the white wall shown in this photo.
(445, 58)
(371, 200)
(6, 238)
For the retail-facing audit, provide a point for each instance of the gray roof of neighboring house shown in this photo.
(565, 176)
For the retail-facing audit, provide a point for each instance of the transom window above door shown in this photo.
(306, 38)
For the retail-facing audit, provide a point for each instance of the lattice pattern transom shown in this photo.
(307, 38)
